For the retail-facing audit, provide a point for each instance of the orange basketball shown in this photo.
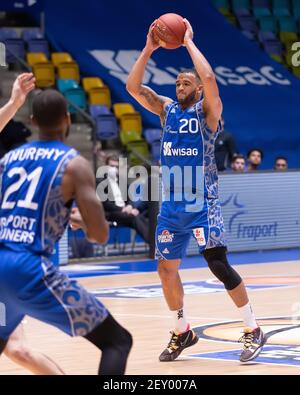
(169, 31)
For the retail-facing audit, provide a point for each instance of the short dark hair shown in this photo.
(190, 71)
(238, 156)
(255, 149)
(49, 108)
(282, 158)
(113, 157)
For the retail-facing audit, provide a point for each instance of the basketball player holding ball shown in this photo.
(190, 128)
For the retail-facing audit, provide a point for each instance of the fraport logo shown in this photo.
(236, 223)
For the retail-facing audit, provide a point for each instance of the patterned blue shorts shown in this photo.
(175, 228)
(32, 285)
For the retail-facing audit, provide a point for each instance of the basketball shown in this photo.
(169, 31)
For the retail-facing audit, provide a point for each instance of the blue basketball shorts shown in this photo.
(32, 285)
(175, 228)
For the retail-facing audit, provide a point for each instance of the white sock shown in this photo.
(248, 316)
(181, 324)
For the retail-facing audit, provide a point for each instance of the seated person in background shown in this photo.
(238, 164)
(281, 163)
(255, 157)
(13, 135)
(80, 246)
(225, 148)
(119, 211)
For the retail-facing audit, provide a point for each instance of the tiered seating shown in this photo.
(42, 69)
(275, 24)
(123, 123)
(73, 92)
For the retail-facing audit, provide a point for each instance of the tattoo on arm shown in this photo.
(151, 97)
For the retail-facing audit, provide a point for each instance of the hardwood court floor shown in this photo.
(149, 321)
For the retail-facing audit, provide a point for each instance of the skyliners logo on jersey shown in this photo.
(2, 314)
(119, 63)
(169, 151)
(165, 237)
(282, 346)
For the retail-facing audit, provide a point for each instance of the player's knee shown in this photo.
(165, 272)
(218, 264)
(110, 334)
(125, 341)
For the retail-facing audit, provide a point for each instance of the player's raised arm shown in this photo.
(212, 102)
(90, 216)
(147, 97)
(22, 86)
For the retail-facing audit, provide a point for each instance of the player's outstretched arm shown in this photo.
(79, 182)
(22, 86)
(212, 102)
(147, 97)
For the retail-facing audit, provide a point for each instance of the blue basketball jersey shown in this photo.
(33, 214)
(188, 148)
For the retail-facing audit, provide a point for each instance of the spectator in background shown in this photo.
(255, 157)
(13, 135)
(281, 163)
(117, 209)
(238, 164)
(225, 148)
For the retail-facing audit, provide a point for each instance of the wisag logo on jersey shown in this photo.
(169, 151)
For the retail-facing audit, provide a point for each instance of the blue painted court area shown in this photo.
(89, 270)
(275, 355)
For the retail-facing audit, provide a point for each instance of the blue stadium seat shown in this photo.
(74, 93)
(107, 127)
(281, 8)
(268, 24)
(240, 5)
(296, 14)
(96, 110)
(39, 45)
(261, 3)
(76, 96)
(287, 24)
(248, 23)
(64, 85)
(273, 47)
(155, 150)
(266, 36)
(14, 46)
(152, 135)
(242, 12)
(33, 33)
(250, 35)
(259, 12)
(7, 33)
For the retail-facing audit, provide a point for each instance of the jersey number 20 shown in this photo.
(192, 123)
